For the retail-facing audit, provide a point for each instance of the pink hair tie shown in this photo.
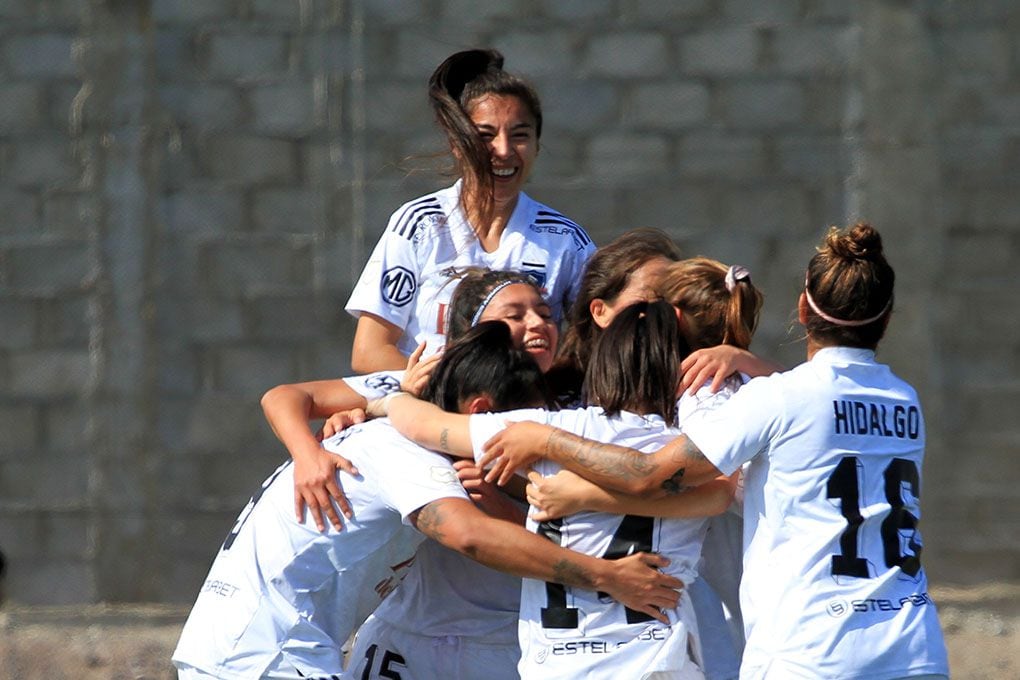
(842, 322)
(734, 275)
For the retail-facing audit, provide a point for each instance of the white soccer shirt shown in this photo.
(569, 632)
(444, 592)
(407, 278)
(833, 584)
(282, 587)
(375, 385)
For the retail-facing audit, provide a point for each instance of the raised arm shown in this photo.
(288, 408)
(375, 345)
(566, 493)
(634, 581)
(425, 423)
(671, 469)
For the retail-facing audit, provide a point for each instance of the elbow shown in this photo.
(645, 487)
(272, 396)
(360, 363)
(467, 539)
(721, 502)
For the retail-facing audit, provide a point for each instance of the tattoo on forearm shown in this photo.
(430, 520)
(674, 485)
(602, 458)
(444, 440)
(684, 453)
(571, 574)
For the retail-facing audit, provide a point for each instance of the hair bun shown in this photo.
(860, 242)
(461, 68)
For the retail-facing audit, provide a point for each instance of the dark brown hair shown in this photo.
(473, 287)
(849, 279)
(460, 80)
(605, 276)
(713, 315)
(635, 365)
(485, 361)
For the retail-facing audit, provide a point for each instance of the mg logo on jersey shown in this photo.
(398, 286)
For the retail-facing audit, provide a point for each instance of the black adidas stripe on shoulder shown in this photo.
(408, 221)
(549, 217)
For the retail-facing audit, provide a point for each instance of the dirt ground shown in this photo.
(133, 642)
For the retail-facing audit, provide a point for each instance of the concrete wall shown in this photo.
(189, 189)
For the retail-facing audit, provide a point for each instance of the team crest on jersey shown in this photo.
(398, 286)
(536, 272)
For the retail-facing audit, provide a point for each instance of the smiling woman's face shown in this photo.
(508, 128)
(521, 307)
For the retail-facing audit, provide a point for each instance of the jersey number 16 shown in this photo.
(844, 484)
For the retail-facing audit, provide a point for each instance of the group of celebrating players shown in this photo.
(641, 498)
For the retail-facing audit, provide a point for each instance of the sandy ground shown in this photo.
(133, 642)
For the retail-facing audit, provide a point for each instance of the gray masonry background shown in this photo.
(189, 189)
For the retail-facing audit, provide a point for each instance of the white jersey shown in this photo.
(833, 584)
(407, 278)
(375, 385)
(716, 593)
(448, 594)
(570, 632)
(444, 592)
(280, 588)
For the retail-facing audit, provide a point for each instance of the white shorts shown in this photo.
(381, 647)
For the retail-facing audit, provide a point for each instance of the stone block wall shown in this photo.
(188, 191)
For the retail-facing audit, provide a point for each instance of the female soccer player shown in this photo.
(718, 308)
(624, 271)
(493, 122)
(281, 598)
(833, 584)
(633, 377)
(450, 615)
(479, 295)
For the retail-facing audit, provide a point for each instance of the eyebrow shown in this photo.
(516, 126)
(520, 305)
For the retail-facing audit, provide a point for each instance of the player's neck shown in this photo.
(489, 230)
(812, 347)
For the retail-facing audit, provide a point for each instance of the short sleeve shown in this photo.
(375, 385)
(388, 284)
(736, 431)
(484, 426)
(416, 479)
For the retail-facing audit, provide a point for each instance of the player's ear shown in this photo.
(601, 314)
(802, 309)
(479, 404)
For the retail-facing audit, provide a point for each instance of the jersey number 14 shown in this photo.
(633, 535)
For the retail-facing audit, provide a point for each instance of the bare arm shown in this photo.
(634, 581)
(490, 498)
(288, 408)
(674, 467)
(425, 423)
(566, 493)
(375, 345)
